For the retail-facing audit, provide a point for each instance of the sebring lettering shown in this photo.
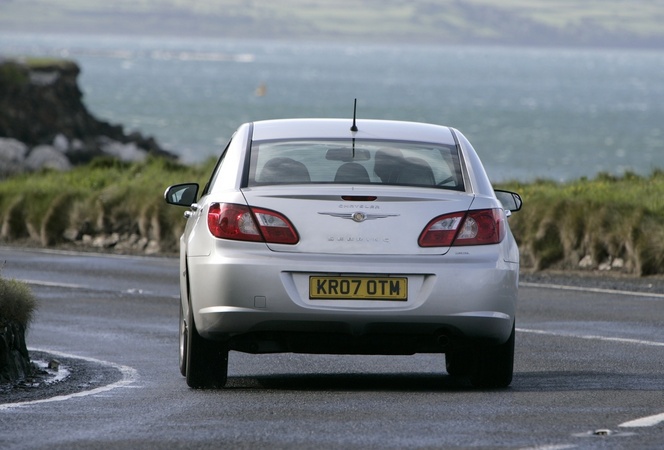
(358, 239)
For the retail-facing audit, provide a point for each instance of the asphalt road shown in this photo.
(588, 374)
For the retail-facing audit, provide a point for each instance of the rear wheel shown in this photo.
(206, 364)
(183, 343)
(494, 366)
(459, 364)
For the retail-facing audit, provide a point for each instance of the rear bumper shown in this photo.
(368, 336)
(261, 304)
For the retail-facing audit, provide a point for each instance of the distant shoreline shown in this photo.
(611, 23)
(655, 44)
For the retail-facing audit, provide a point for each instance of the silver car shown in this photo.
(329, 236)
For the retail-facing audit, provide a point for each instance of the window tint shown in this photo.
(361, 162)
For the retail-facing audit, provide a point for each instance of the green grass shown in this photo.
(17, 303)
(103, 197)
(48, 63)
(607, 219)
(15, 72)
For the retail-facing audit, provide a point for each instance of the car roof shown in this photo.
(341, 128)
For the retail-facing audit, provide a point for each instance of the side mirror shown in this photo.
(181, 194)
(511, 201)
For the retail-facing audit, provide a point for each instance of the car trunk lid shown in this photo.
(358, 219)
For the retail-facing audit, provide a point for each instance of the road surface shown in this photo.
(588, 374)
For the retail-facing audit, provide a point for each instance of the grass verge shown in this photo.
(608, 222)
(103, 198)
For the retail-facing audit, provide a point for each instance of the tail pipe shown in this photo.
(443, 339)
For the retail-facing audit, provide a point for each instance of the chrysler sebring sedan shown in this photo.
(339, 237)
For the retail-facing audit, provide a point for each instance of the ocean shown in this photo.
(531, 113)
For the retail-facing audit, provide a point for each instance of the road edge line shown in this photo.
(563, 287)
(129, 376)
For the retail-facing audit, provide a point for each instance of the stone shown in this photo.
(12, 156)
(61, 143)
(71, 234)
(152, 248)
(606, 265)
(12, 150)
(586, 262)
(106, 241)
(47, 157)
(124, 152)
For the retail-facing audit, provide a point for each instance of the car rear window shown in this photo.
(358, 162)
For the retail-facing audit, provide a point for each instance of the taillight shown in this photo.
(480, 227)
(239, 222)
(275, 227)
(440, 232)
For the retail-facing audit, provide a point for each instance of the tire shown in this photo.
(459, 364)
(494, 366)
(206, 365)
(183, 343)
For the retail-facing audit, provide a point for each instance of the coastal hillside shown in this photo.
(615, 23)
(45, 125)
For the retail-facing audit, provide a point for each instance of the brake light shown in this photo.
(275, 227)
(479, 227)
(359, 198)
(241, 223)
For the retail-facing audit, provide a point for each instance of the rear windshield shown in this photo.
(359, 162)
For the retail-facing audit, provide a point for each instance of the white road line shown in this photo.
(551, 447)
(130, 291)
(650, 421)
(563, 287)
(129, 376)
(593, 337)
(54, 284)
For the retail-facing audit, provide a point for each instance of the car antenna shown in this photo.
(354, 127)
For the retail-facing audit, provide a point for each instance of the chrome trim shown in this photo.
(358, 216)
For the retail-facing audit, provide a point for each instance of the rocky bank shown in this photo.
(14, 358)
(44, 123)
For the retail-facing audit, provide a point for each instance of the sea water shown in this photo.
(530, 113)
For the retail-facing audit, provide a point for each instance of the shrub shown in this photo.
(17, 303)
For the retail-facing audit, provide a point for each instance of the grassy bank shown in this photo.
(103, 199)
(608, 222)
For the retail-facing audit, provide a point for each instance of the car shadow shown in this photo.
(351, 382)
(553, 381)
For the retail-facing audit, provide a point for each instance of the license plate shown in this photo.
(358, 288)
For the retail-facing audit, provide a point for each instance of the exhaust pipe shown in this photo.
(443, 340)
